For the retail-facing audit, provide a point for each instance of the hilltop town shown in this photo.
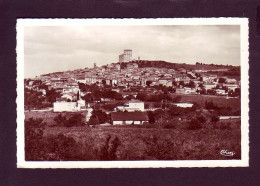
(134, 110)
(130, 85)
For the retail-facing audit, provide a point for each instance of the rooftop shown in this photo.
(123, 116)
(135, 101)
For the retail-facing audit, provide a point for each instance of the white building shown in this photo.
(184, 105)
(132, 106)
(136, 105)
(221, 92)
(230, 80)
(128, 118)
(186, 90)
(190, 90)
(209, 86)
(231, 86)
(63, 106)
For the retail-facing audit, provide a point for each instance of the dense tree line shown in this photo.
(36, 100)
(98, 117)
(157, 97)
(221, 111)
(76, 119)
(97, 95)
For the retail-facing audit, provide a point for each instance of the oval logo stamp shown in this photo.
(227, 153)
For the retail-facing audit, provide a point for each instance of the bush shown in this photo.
(151, 116)
(176, 99)
(75, 120)
(148, 125)
(169, 125)
(201, 119)
(60, 120)
(225, 126)
(98, 117)
(109, 107)
(63, 147)
(158, 148)
(37, 122)
(33, 136)
(210, 105)
(214, 118)
(194, 124)
(56, 147)
(108, 150)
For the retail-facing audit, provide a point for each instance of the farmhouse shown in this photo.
(185, 90)
(231, 86)
(61, 105)
(70, 96)
(180, 91)
(128, 118)
(132, 106)
(220, 92)
(184, 105)
(231, 81)
(65, 106)
(209, 86)
(135, 105)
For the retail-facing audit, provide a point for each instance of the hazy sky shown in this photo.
(51, 49)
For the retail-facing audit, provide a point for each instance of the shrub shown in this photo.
(176, 99)
(108, 150)
(110, 107)
(225, 126)
(214, 118)
(169, 125)
(98, 117)
(75, 120)
(210, 105)
(60, 120)
(157, 147)
(201, 119)
(62, 146)
(56, 147)
(37, 122)
(149, 125)
(33, 136)
(151, 116)
(194, 124)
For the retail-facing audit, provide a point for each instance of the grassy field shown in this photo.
(139, 142)
(219, 101)
(47, 116)
(158, 144)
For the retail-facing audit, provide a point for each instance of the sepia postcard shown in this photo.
(132, 93)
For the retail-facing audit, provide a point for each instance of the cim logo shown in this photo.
(227, 153)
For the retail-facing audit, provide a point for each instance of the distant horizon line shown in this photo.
(133, 61)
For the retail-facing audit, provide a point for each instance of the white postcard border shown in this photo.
(244, 162)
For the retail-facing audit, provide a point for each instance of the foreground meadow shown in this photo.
(155, 144)
(147, 142)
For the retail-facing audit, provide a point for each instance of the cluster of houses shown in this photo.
(115, 76)
(67, 83)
